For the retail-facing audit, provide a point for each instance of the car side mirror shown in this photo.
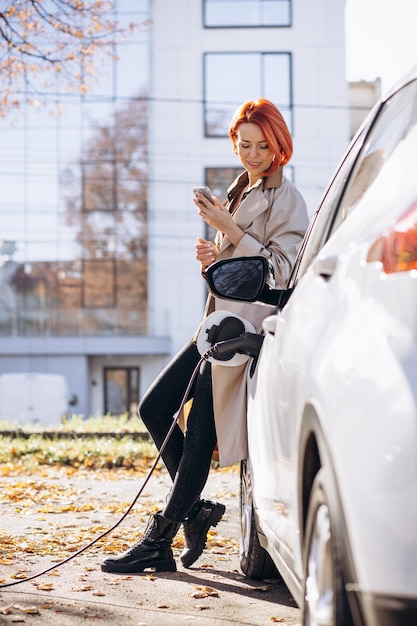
(245, 279)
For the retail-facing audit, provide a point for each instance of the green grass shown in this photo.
(78, 424)
(26, 446)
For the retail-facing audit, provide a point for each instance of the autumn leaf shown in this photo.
(204, 592)
(44, 586)
(85, 588)
(31, 610)
(19, 576)
(45, 494)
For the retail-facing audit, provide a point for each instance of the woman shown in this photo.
(264, 215)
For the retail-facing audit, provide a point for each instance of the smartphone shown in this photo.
(205, 191)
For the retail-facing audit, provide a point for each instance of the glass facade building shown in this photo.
(73, 207)
(74, 240)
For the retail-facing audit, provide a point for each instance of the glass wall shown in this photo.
(73, 207)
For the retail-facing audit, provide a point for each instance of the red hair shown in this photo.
(265, 114)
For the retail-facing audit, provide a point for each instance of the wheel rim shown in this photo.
(319, 600)
(245, 509)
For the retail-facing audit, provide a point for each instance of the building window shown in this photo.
(246, 13)
(270, 77)
(121, 390)
(99, 283)
(219, 180)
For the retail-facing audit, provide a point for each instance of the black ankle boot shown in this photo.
(203, 515)
(153, 550)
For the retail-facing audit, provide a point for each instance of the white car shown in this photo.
(329, 492)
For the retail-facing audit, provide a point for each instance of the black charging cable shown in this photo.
(243, 344)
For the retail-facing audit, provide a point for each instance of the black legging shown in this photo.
(187, 457)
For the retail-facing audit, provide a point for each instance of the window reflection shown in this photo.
(121, 385)
(395, 121)
(73, 208)
(72, 297)
(240, 279)
(219, 180)
(99, 287)
(247, 13)
(361, 168)
(270, 78)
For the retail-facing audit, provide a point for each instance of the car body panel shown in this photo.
(340, 361)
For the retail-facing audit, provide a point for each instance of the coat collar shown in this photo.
(268, 182)
(274, 181)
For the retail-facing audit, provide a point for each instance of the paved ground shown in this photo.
(46, 517)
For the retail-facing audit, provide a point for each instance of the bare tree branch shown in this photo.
(42, 39)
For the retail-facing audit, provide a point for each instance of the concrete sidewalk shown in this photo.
(44, 516)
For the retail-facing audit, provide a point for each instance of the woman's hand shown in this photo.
(206, 252)
(214, 215)
(217, 216)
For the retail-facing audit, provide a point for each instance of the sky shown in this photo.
(381, 39)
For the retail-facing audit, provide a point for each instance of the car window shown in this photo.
(319, 226)
(397, 117)
(362, 165)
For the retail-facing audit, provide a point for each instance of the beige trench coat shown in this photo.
(274, 218)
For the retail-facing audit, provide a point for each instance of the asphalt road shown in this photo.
(44, 516)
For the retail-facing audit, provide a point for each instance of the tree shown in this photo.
(109, 204)
(45, 40)
(103, 289)
(108, 207)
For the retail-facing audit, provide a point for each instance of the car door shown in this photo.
(292, 335)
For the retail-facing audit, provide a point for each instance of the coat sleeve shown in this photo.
(279, 236)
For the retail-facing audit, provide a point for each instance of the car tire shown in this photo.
(325, 601)
(255, 561)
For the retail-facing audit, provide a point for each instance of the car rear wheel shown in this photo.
(325, 602)
(255, 561)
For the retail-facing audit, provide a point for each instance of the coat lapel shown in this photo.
(254, 204)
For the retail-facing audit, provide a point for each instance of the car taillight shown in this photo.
(397, 248)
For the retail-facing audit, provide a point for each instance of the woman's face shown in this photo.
(253, 150)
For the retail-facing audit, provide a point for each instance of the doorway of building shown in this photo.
(121, 390)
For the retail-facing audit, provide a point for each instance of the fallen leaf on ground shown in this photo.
(5, 610)
(44, 586)
(31, 610)
(10, 609)
(85, 588)
(203, 592)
